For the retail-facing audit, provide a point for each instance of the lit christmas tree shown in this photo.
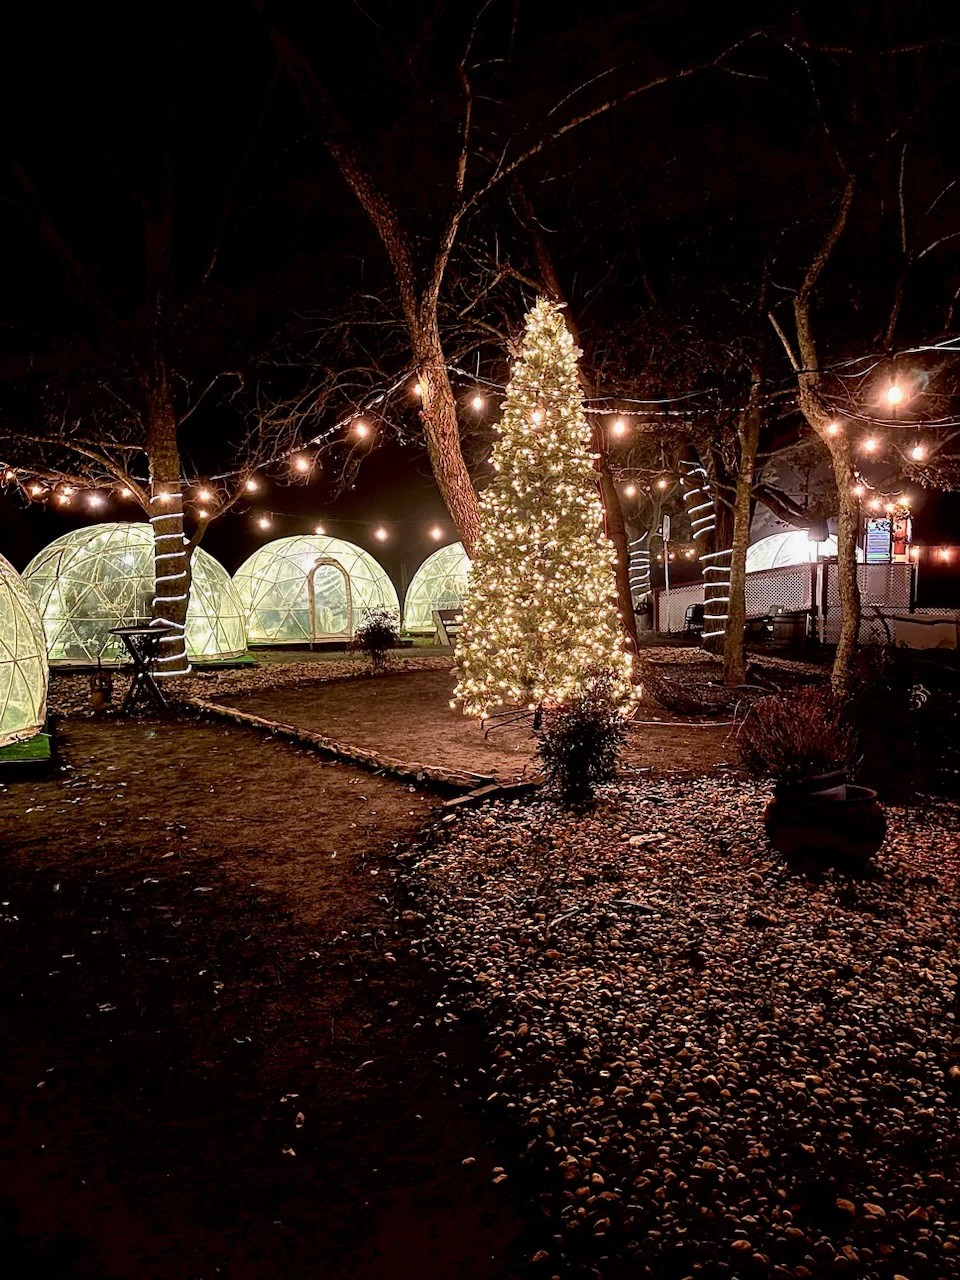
(540, 611)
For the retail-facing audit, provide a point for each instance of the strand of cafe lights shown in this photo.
(355, 424)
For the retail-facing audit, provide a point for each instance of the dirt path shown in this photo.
(408, 716)
(220, 1060)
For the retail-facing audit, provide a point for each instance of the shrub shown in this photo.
(581, 740)
(795, 736)
(901, 703)
(378, 632)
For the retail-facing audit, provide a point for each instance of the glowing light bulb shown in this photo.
(858, 491)
(63, 499)
(537, 417)
(663, 483)
(630, 491)
(833, 428)
(251, 485)
(436, 533)
(619, 427)
(203, 514)
(380, 534)
(918, 453)
(874, 504)
(9, 475)
(301, 463)
(360, 429)
(894, 394)
(478, 403)
(418, 389)
(125, 492)
(319, 530)
(889, 508)
(36, 490)
(204, 494)
(94, 500)
(871, 444)
(946, 553)
(264, 522)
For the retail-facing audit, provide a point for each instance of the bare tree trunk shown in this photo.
(848, 536)
(716, 579)
(438, 416)
(616, 528)
(734, 642)
(806, 365)
(170, 554)
(749, 424)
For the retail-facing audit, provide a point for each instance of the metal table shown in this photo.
(142, 643)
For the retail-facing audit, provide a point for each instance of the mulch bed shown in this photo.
(723, 1068)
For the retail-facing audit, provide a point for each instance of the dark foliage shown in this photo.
(378, 632)
(581, 742)
(906, 708)
(796, 736)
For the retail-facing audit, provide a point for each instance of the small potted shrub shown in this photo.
(805, 742)
(375, 636)
(580, 742)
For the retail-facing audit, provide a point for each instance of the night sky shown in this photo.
(657, 216)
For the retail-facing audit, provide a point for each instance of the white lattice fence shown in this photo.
(774, 590)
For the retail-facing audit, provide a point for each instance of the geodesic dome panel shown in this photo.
(23, 660)
(299, 589)
(216, 621)
(793, 547)
(439, 583)
(90, 580)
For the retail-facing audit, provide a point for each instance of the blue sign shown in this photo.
(878, 542)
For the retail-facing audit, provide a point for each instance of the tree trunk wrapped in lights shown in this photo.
(541, 611)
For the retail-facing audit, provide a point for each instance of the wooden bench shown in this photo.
(448, 623)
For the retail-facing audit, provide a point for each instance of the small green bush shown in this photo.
(378, 632)
(580, 742)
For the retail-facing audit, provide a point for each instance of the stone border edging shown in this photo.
(433, 775)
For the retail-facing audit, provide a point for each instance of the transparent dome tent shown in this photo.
(302, 589)
(793, 547)
(90, 580)
(23, 660)
(439, 583)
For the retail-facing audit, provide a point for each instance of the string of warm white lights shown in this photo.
(540, 613)
(207, 498)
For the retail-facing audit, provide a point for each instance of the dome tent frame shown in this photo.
(101, 576)
(23, 661)
(439, 583)
(310, 588)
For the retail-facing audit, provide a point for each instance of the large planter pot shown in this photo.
(833, 783)
(842, 824)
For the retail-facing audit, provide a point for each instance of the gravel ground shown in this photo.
(722, 1067)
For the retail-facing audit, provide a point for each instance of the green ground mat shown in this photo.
(36, 750)
(245, 660)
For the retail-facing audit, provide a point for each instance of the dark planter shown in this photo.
(833, 783)
(846, 824)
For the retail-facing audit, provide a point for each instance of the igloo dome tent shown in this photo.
(23, 660)
(792, 547)
(92, 579)
(300, 589)
(439, 583)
